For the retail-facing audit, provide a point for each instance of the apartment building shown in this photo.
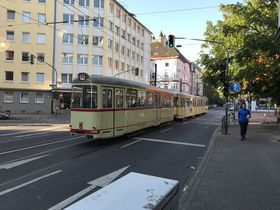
(25, 88)
(173, 69)
(66, 37)
(99, 37)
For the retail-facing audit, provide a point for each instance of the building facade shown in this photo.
(173, 69)
(25, 88)
(66, 37)
(99, 37)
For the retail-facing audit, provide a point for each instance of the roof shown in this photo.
(161, 50)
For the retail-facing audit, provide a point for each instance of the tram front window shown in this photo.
(84, 97)
(77, 94)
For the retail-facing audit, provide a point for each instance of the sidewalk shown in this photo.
(238, 175)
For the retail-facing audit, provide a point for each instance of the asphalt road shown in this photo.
(43, 167)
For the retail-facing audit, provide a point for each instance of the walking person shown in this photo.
(243, 118)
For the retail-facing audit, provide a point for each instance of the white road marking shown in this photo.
(166, 130)
(186, 123)
(18, 163)
(22, 132)
(31, 134)
(40, 145)
(27, 183)
(172, 142)
(100, 182)
(130, 144)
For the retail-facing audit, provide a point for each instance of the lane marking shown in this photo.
(130, 143)
(22, 132)
(32, 134)
(166, 130)
(18, 163)
(30, 182)
(40, 145)
(185, 123)
(99, 182)
(172, 142)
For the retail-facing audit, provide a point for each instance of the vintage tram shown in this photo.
(104, 107)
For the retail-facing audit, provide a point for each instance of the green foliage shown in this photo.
(248, 30)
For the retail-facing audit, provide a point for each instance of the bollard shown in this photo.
(223, 125)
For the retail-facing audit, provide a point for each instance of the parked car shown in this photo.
(4, 115)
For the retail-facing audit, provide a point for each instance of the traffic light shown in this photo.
(31, 59)
(223, 72)
(226, 89)
(136, 71)
(171, 41)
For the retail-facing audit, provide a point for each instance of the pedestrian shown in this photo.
(243, 118)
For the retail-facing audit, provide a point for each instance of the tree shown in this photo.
(248, 29)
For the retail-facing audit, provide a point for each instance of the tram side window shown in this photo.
(89, 97)
(119, 99)
(188, 102)
(107, 98)
(131, 98)
(150, 99)
(142, 98)
(77, 93)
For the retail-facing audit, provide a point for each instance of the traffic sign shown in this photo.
(235, 87)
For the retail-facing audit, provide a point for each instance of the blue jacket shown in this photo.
(242, 114)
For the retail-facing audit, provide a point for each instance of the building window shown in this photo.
(117, 30)
(39, 98)
(124, 17)
(97, 60)
(129, 22)
(9, 75)
(42, 1)
(40, 77)
(24, 98)
(9, 55)
(133, 55)
(26, 17)
(10, 35)
(142, 46)
(66, 78)
(24, 56)
(100, 4)
(41, 38)
(118, 12)
(128, 53)
(117, 47)
(24, 76)
(110, 61)
(11, 14)
(84, 3)
(133, 40)
(69, 2)
(110, 44)
(116, 64)
(128, 37)
(98, 22)
(123, 66)
(111, 8)
(8, 97)
(26, 37)
(83, 39)
(83, 20)
(122, 50)
(41, 57)
(142, 59)
(67, 58)
(69, 19)
(97, 41)
(82, 59)
(111, 25)
(142, 32)
(41, 18)
(67, 38)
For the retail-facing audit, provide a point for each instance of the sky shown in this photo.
(190, 23)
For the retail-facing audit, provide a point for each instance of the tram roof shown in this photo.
(99, 79)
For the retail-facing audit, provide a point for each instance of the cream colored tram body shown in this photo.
(189, 105)
(105, 107)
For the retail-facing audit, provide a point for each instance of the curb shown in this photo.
(185, 199)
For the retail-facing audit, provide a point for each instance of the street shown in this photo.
(43, 167)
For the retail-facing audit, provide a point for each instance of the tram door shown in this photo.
(119, 113)
(157, 105)
(108, 115)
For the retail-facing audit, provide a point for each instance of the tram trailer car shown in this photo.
(105, 107)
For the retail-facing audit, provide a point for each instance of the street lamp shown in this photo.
(226, 75)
